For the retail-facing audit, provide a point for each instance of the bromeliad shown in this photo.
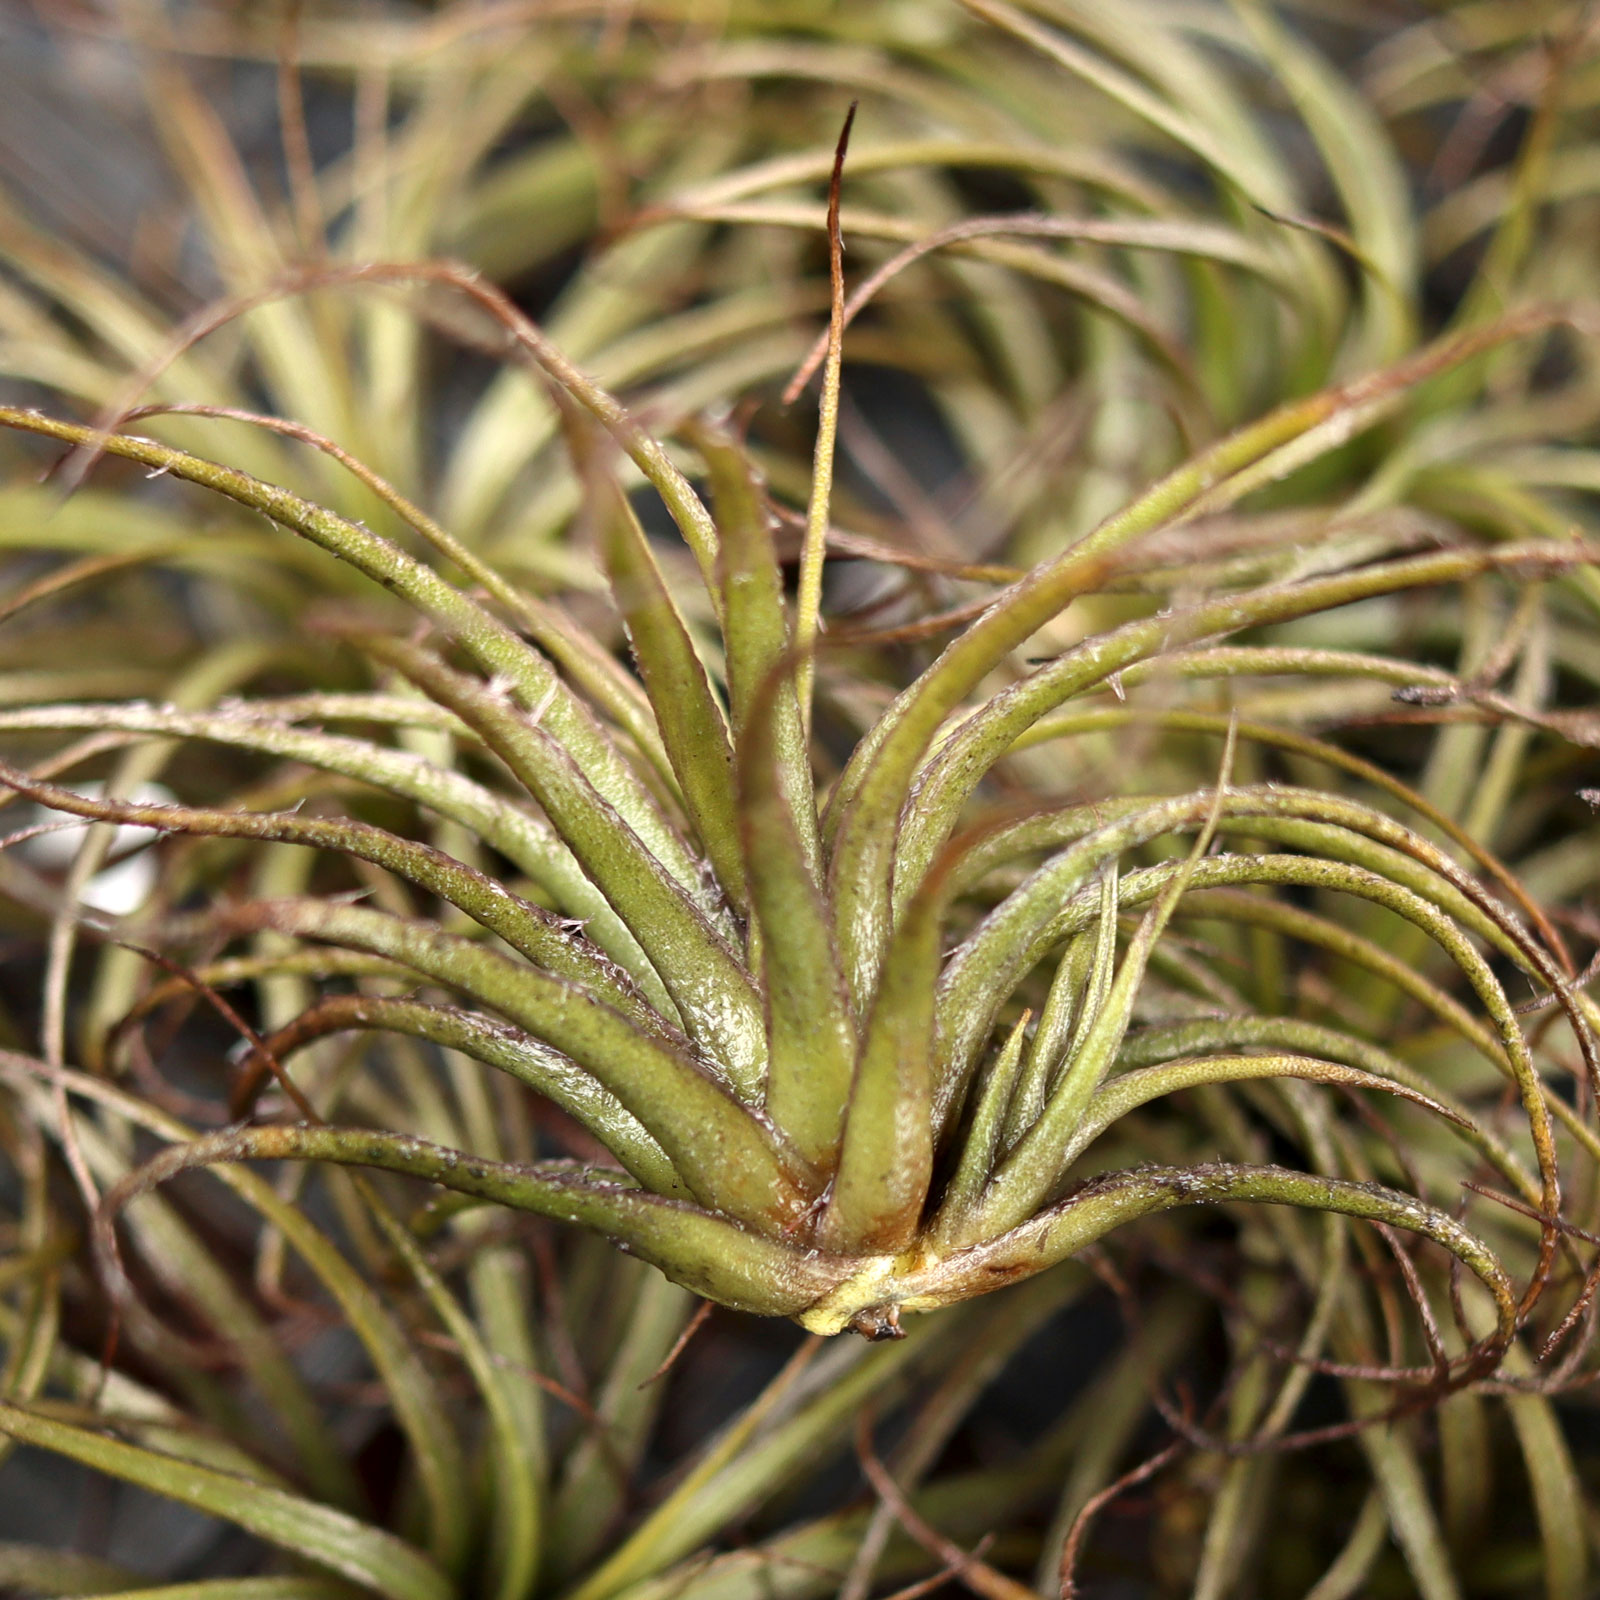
(849, 1052)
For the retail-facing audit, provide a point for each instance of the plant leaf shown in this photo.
(983, 1141)
(489, 642)
(708, 1254)
(513, 1052)
(729, 1159)
(712, 990)
(755, 629)
(529, 929)
(1032, 1169)
(948, 780)
(693, 727)
(1065, 1005)
(811, 1035)
(356, 1550)
(1111, 1201)
(886, 1160)
(526, 839)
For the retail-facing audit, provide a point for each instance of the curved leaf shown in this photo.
(811, 1034)
(729, 1159)
(867, 802)
(693, 727)
(529, 929)
(1111, 1202)
(489, 642)
(708, 1254)
(712, 990)
(886, 1160)
(527, 840)
(542, 1069)
(355, 1550)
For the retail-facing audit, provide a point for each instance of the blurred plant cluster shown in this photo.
(637, 737)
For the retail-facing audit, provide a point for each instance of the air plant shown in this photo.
(777, 1010)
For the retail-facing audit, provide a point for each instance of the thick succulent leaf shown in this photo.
(355, 1550)
(488, 641)
(600, 675)
(961, 762)
(693, 726)
(993, 958)
(1065, 1007)
(509, 1049)
(983, 1142)
(709, 1254)
(728, 1157)
(811, 1034)
(1130, 1090)
(712, 990)
(1001, 951)
(1151, 1047)
(755, 626)
(1512, 1056)
(867, 802)
(886, 1160)
(529, 929)
(1032, 1169)
(1104, 1204)
(685, 506)
(1246, 660)
(811, 1037)
(596, 672)
(1097, 991)
(1321, 824)
(1294, 922)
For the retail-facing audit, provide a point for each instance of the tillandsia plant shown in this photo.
(787, 1022)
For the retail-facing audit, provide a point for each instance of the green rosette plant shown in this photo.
(787, 1020)
(847, 1043)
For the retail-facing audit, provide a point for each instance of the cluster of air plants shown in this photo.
(1092, 915)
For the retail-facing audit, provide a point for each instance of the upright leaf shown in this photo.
(886, 1161)
(712, 990)
(810, 1032)
(693, 727)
